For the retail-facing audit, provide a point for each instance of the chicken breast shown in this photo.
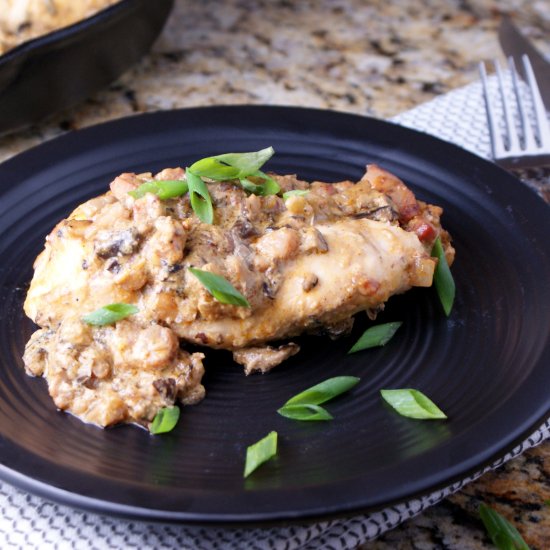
(305, 264)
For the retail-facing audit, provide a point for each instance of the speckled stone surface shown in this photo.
(379, 57)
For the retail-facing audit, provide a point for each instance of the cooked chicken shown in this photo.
(305, 264)
(264, 358)
(114, 374)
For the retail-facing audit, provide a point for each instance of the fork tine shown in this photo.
(528, 135)
(512, 136)
(516, 147)
(540, 112)
(497, 144)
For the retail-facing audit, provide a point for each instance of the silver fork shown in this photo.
(531, 145)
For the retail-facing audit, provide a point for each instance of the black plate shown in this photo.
(59, 69)
(486, 366)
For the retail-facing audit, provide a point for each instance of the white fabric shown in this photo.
(30, 522)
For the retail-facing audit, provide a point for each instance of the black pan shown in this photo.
(59, 69)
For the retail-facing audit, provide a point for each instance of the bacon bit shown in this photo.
(426, 232)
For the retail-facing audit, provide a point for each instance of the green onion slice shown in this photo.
(270, 186)
(247, 163)
(232, 165)
(201, 201)
(260, 452)
(220, 288)
(412, 404)
(443, 278)
(166, 189)
(264, 188)
(324, 391)
(214, 169)
(503, 534)
(109, 314)
(251, 187)
(165, 420)
(295, 193)
(379, 335)
(305, 412)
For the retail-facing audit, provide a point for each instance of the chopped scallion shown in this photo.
(164, 190)
(305, 412)
(110, 314)
(324, 391)
(260, 452)
(232, 165)
(412, 404)
(260, 184)
(443, 278)
(220, 288)
(214, 169)
(201, 201)
(165, 420)
(503, 534)
(247, 163)
(378, 335)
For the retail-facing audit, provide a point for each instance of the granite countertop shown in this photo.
(378, 58)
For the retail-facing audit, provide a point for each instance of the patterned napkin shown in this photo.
(30, 522)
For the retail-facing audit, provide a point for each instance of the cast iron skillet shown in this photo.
(59, 69)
